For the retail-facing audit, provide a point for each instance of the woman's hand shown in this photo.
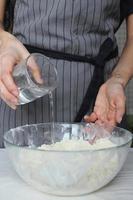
(110, 103)
(12, 52)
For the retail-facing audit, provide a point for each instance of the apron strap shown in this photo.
(105, 52)
(101, 57)
(91, 93)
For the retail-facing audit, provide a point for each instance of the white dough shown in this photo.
(78, 145)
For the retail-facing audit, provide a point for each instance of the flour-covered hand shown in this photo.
(110, 103)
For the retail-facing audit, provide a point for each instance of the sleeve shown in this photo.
(126, 8)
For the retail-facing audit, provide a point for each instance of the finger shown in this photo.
(120, 109)
(10, 85)
(7, 96)
(112, 114)
(6, 75)
(90, 118)
(109, 125)
(99, 122)
(35, 70)
(14, 107)
(101, 112)
(112, 111)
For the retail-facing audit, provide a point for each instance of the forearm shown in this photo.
(2, 11)
(124, 68)
(123, 72)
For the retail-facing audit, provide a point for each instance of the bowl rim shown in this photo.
(64, 151)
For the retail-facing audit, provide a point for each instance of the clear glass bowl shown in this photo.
(64, 172)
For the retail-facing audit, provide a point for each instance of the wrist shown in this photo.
(118, 78)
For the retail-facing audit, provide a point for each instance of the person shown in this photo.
(110, 102)
(82, 34)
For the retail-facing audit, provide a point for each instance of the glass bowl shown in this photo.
(67, 172)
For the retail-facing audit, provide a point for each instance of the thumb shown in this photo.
(34, 69)
(90, 118)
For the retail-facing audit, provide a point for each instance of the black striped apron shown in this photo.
(73, 27)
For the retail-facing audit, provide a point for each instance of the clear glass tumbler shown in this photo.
(35, 77)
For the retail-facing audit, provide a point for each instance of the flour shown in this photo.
(77, 145)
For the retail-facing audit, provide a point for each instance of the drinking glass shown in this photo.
(35, 77)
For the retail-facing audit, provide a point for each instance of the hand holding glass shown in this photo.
(35, 77)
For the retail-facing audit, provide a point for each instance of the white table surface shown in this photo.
(13, 188)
